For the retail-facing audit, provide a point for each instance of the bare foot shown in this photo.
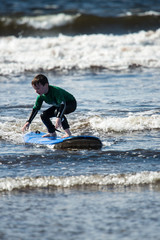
(66, 135)
(50, 135)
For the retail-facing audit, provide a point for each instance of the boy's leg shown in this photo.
(65, 126)
(70, 107)
(64, 122)
(68, 133)
(45, 116)
(52, 112)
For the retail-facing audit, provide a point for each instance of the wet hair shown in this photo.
(39, 79)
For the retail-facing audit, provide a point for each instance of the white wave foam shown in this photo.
(125, 124)
(147, 13)
(79, 52)
(48, 21)
(9, 184)
(150, 13)
(10, 128)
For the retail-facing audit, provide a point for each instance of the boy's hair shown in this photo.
(39, 79)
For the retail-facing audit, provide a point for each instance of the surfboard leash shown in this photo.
(38, 132)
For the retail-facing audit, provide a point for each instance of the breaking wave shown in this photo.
(78, 23)
(129, 179)
(97, 51)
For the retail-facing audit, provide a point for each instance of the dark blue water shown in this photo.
(91, 17)
(103, 8)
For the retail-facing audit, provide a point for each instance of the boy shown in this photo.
(62, 103)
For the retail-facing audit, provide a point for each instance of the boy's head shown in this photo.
(39, 79)
(40, 84)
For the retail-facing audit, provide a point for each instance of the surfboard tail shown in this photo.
(80, 142)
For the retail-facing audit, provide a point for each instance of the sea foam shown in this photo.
(125, 124)
(128, 179)
(114, 52)
(48, 21)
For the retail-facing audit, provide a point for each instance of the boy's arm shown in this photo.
(28, 122)
(26, 126)
(32, 116)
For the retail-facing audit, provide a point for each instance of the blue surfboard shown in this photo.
(73, 142)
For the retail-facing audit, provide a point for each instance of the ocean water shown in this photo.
(107, 55)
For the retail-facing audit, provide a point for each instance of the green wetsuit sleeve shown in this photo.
(38, 103)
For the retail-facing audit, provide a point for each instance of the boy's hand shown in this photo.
(58, 123)
(26, 126)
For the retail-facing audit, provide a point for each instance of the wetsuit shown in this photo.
(62, 103)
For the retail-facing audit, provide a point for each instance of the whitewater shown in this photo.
(100, 51)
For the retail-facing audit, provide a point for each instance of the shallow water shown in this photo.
(81, 213)
(83, 194)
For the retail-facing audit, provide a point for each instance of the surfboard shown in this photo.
(72, 142)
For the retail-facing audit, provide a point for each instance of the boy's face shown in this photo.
(40, 89)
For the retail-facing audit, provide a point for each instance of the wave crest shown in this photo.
(84, 52)
(125, 124)
(129, 179)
